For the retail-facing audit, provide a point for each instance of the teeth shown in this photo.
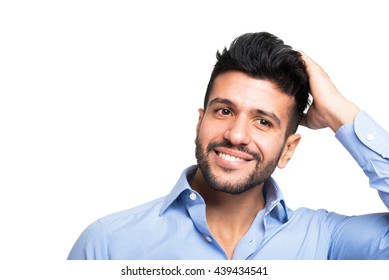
(229, 158)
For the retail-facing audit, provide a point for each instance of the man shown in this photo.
(229, 206)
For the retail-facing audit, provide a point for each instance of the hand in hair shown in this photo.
(329, 108)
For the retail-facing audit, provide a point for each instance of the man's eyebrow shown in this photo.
(221, 101)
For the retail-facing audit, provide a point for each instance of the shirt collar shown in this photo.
(274, 205)
(181, 185)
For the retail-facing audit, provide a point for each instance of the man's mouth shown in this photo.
(233, 155)
(229, 157)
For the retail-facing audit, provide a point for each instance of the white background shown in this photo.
(99, 99)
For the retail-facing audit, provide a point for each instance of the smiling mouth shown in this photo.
(233, 154)
(229, 157)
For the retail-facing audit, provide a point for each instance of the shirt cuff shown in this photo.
(372, 134)
(362, 137)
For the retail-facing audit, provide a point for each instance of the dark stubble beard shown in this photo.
(260, 174)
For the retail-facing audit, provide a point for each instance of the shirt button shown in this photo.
(193, 196)
(369, 136)
(208, 238)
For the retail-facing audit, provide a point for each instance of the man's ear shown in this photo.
(201, 115)
(289, 148)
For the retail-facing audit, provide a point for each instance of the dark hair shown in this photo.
(264, 56)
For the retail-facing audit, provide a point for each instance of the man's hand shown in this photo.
(329, 108)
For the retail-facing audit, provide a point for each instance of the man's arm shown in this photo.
(366, 141)
(357, 237)
(365, 236)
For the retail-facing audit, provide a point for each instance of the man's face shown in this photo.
(241, 135)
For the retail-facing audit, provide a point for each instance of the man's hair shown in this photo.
(264, 56)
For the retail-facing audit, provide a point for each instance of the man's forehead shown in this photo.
(237, 86)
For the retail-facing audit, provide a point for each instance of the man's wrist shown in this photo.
(344, 113)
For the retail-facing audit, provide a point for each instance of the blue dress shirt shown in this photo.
(175, 227)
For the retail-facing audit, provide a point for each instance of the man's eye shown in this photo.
(264, 122)
(224, 111)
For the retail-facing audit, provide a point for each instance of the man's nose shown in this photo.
(238, 132)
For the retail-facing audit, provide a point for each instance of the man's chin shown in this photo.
(233, 190)
(232, 186)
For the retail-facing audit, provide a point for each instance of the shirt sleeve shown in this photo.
(368, 143)
(91, 244)
(365, 236)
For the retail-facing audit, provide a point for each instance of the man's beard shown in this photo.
(259, 175)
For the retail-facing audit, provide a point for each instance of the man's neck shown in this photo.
(229, 216)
